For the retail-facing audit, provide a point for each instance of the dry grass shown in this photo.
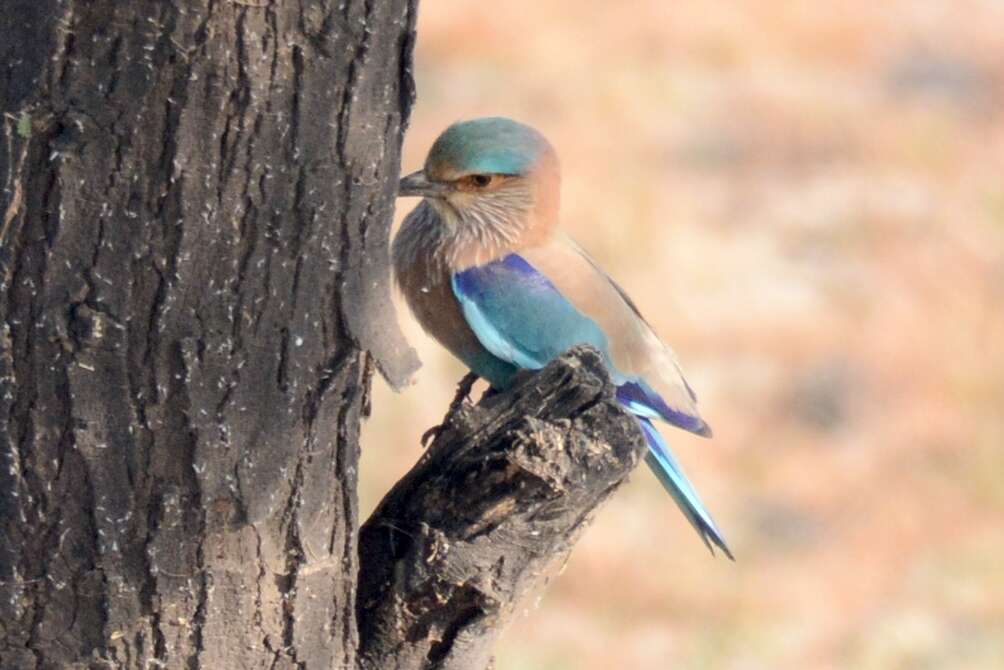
(806, 199)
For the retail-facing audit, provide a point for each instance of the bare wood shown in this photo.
(492, 507)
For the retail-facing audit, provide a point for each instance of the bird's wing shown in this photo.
(656, 387)
(523, 317)
(519, 315)
(531, 306)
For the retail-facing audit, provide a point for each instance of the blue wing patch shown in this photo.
(519, 315)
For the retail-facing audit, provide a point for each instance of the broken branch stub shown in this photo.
(497, 501)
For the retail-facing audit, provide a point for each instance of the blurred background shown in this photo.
(807, 202)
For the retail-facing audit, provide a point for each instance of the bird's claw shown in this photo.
(463, 393)
(430, 436)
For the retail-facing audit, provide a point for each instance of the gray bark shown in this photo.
(195, 206)
(492, 508)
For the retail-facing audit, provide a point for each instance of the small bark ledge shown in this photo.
(499, 498)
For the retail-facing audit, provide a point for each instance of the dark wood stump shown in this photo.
(493, 506)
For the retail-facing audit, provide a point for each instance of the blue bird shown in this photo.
(487, 272)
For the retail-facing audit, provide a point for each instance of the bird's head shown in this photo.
(492, 176)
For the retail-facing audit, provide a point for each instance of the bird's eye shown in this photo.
(475, 182)
(478, 182)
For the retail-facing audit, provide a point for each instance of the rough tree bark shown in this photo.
(193, 284)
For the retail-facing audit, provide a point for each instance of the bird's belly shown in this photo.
(438, 312)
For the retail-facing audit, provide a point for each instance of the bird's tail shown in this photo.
(669, 472)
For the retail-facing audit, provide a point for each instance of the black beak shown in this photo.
(417, 184)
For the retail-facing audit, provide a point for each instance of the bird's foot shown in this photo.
(430, 435)
(463, 393)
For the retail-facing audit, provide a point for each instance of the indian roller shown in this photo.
(487, 272)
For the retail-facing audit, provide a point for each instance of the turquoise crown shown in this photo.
(492, 145)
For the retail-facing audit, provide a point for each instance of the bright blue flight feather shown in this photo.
(665, 466)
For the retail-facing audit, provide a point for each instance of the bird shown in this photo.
(485, 268)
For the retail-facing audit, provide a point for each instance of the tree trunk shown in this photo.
(193, 286)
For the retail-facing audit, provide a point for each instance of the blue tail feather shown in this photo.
(665, 466)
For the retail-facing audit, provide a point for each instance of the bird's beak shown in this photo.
(417, 184)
